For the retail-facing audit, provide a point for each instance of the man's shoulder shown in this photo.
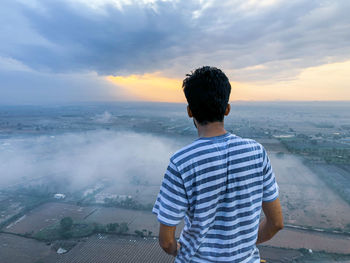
(253, 143)
(188, 149)
(247, 143)
(202, 145)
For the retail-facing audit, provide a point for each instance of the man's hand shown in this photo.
(178, 246)
(167, 239)
(273, 221)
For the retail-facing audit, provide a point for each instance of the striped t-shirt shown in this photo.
(217, 185)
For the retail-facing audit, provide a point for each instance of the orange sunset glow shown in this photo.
(150, 87)
(324, 82)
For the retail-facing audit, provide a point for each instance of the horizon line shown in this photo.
(161, 102)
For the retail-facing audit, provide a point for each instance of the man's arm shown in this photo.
(273, 221)
(167, 239)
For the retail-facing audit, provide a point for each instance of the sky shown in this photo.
(63, 51)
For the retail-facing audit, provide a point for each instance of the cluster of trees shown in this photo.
(70, 229)
(143, 233)
(121, 228)
(330, 152)
(127, 203)
(67, 225)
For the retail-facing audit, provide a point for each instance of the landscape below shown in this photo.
(68, 213)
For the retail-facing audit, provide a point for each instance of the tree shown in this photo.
(66, 234)
(139, 233)
(112, 227)
(98, 228)
(66, 224)
(123, 228)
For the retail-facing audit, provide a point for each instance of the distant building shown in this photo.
(59, 196)
(61, 251)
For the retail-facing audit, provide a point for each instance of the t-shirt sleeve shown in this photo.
(171, 204)
(270, 187)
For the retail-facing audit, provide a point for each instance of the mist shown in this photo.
(80, 159)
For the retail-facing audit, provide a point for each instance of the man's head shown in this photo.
(207, 91)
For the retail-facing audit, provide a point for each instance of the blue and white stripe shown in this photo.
(217, 185)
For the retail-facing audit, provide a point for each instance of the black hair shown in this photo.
(207, 90)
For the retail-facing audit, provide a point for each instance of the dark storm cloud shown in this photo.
(135, 39)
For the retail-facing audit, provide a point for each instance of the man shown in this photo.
(218, 184)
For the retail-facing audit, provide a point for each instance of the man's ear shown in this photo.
(228, 109)
(189, 112)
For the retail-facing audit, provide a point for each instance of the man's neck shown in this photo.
(211, 129)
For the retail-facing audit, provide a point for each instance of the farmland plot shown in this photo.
(45, 215)
(305, 198)
(296, 239)
(22, 250)
(105, 249)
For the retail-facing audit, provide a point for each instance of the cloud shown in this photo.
(140, 37)
(81, 38)
(32, 87)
